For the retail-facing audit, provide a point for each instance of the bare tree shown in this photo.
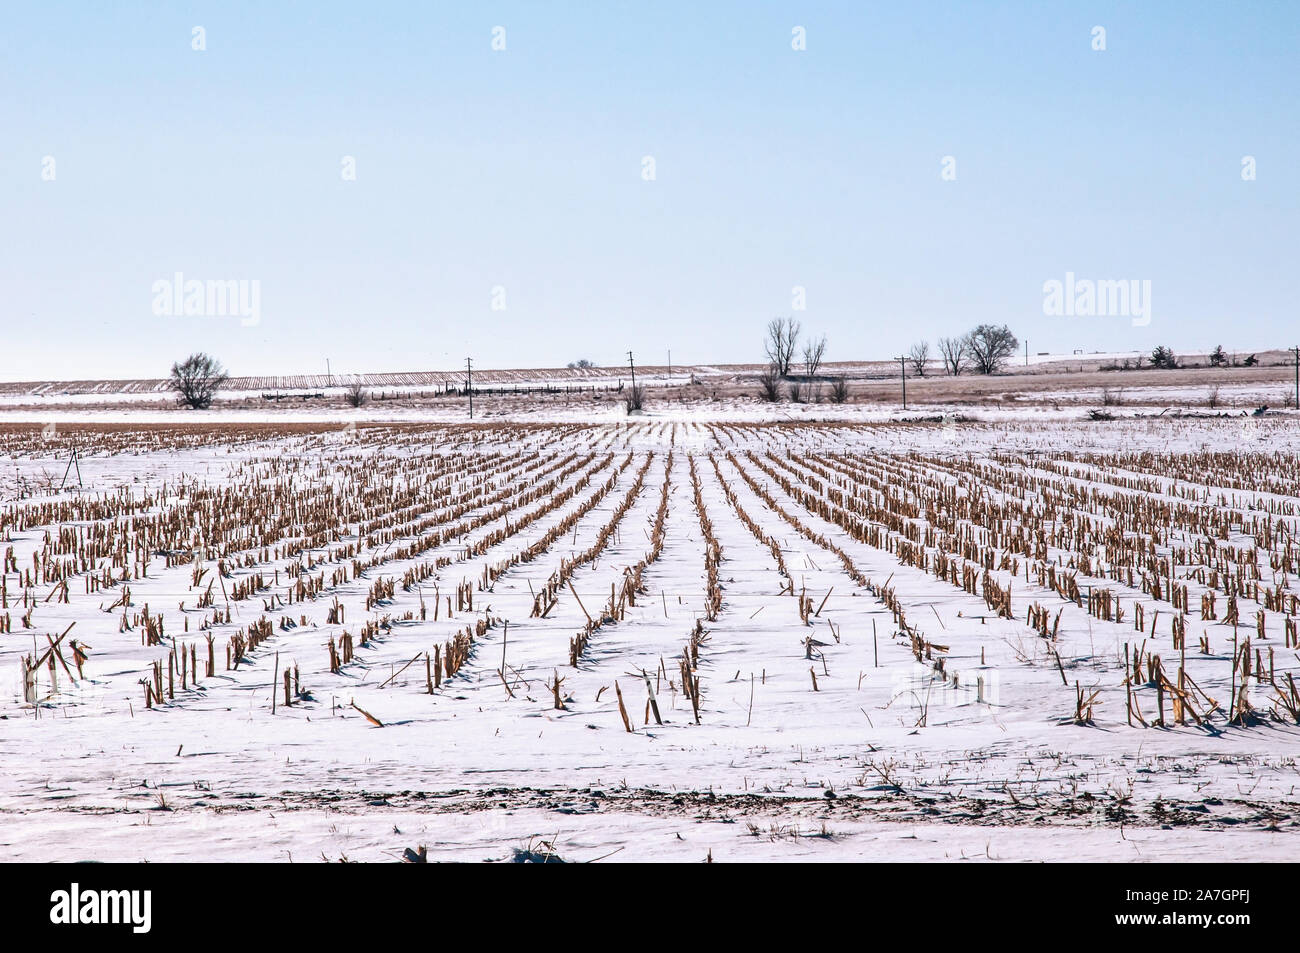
(813, 352)
(782, 337)
(356, 394)
(919, 355)
(952, 351)
(581, 363)
(990, 347)
(769, 385)
(196, 380)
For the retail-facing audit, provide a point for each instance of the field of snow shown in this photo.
(656, 639)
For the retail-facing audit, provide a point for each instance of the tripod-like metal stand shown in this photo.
(73, 461)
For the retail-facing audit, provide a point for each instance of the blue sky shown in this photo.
(522, 170)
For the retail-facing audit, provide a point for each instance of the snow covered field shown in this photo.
(659, 639)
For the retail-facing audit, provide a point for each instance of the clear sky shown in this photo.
(522, 170)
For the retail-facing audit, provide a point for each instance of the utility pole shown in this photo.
(670, 365)
(1297, 377)
(902, 364)
(632, 364)
(1026, 352)
(469, 384)
(329, 377)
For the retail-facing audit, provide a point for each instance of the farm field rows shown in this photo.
(650, 640)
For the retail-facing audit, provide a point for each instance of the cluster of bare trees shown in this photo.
(983, 350)
(782, 349)
(783, 352)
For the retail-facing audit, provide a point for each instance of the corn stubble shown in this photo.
(1138, 542)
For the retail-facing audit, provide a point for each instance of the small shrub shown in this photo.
(839, 390)
(356, 394)
(769, 385)
(636, 397)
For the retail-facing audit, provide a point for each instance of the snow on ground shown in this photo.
(1155, 422)
(823, 731)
